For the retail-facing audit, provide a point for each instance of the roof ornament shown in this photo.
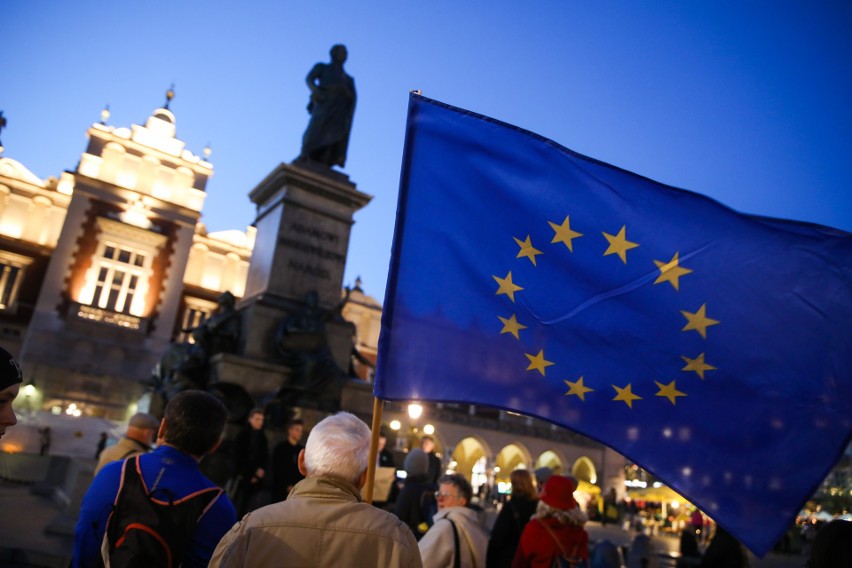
(105, 114)
(2, 126)
(170, 94)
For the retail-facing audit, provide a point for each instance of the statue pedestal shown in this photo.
(260, 379)
(304, 218)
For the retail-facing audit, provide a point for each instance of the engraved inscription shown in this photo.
(310, 269)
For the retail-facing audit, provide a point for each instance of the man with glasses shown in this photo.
(456, 538)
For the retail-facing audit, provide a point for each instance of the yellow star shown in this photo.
(564, 234)
(507, 286)
(578, 388)
(670, 272)
(698, 321)
(537, 362)
(669, 391)
(698, 365)
(527, 249)
(626, 395)
(511, 325)
(618, 244)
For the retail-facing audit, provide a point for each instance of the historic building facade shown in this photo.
(105, 265)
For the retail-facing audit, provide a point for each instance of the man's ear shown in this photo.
(362, 480)
(161, 433)
(301, 463)
(215, 446)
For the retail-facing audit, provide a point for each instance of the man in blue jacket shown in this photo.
(191, 428)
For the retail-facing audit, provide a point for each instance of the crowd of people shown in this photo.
(153, 505)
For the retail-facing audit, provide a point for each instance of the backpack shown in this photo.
(146, 532)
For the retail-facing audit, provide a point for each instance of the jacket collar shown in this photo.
(326, 485)
(456, 512)
(170, 452)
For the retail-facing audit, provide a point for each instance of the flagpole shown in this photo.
(374, 448)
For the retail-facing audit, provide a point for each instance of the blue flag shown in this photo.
(712, 348)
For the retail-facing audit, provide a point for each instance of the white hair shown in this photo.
(573, 516)
(339, 447)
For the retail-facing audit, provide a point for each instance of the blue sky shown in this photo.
(746, 102)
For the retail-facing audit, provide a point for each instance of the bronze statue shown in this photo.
(332, 106)
(219, 333)
(303, 345)
(186, 365)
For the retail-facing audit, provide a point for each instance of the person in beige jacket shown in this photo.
(140, 436)
(323, 522)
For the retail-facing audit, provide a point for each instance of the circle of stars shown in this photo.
(617, 244)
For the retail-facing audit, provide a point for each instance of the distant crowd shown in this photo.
(152, 503)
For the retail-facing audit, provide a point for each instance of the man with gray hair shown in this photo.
(323, 522)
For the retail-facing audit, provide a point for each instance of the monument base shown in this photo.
(260, 379)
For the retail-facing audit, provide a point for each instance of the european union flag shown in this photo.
(711, 347)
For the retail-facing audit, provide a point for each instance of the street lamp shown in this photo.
(415, 411)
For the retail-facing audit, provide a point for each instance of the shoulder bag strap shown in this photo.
(556, 540)
(140, 447)
(456, 553)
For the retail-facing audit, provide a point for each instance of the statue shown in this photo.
(331, 107)
(186, 365)
(301, 340)
(217, 334)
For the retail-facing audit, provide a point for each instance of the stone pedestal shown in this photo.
(260, 379)
(304, 218)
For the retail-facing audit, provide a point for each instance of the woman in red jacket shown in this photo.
(556, 530)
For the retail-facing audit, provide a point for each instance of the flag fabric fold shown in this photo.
(711, 347)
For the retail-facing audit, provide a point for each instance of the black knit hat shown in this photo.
(10, 371)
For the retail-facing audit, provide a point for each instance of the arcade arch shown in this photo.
(551, 459)
(584, 470)
(470, 458)
(510, 458)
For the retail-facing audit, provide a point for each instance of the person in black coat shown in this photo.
(427, 444)
(724, 551)
(513, 517)
(833, 546)
(416, 503)
(251, 451)
(285, 461)
(690, 554)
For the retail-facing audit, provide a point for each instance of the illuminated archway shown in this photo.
(552, 460)
(584, 470)
(467, 455)
(510, 458)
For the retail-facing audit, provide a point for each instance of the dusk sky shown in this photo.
(746, 102)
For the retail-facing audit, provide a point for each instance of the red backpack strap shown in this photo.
(553, 536)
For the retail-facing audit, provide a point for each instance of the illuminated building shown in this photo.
(104, 266)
